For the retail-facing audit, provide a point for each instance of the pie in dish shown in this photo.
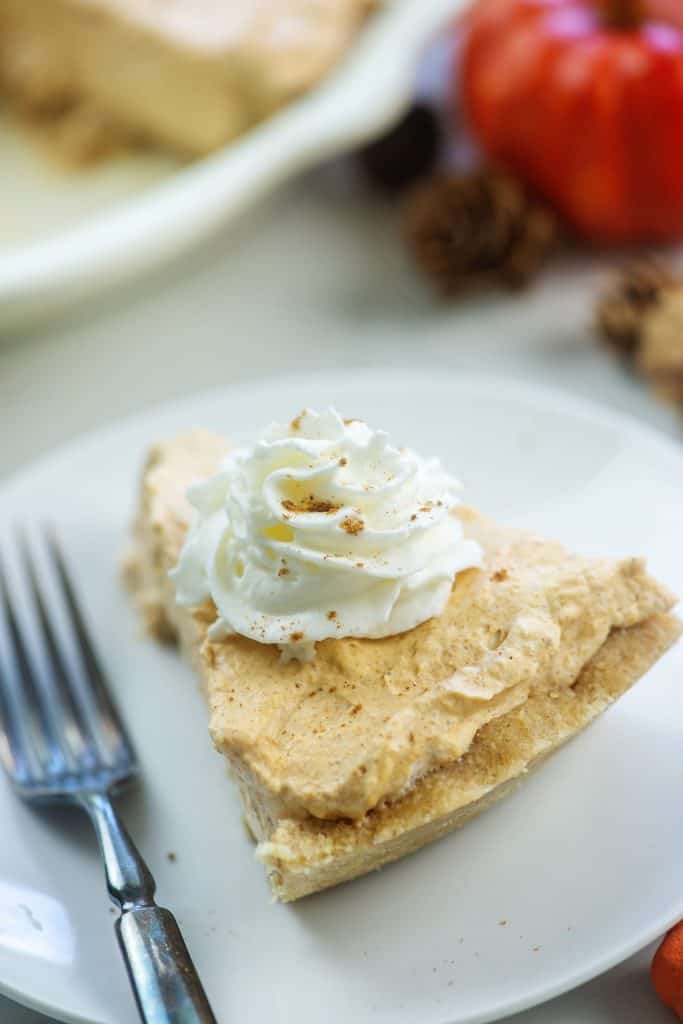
(186, 74)
(376, 746)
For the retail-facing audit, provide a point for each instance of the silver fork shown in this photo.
(62, 741)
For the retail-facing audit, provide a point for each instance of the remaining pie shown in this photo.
(187, 74)
(374, 747)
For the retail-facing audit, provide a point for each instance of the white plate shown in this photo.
(583, 862)
(67, 237)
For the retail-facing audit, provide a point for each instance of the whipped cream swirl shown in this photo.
(323, 529)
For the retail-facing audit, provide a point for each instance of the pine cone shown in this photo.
(477, 229)
(405, 154)
(660, 357)
(621, 312)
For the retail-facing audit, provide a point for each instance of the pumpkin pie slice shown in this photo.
(377, 747)
(186, 74)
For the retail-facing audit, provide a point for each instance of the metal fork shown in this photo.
(62, 741)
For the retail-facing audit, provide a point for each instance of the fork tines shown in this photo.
(59, 729)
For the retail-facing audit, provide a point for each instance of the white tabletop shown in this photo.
(318, 277)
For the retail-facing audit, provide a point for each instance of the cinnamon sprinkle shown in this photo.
(283, 572)
(332, 616)
(310, 504)
(296, 638)
(296, 422)
(500, 575)
(353, 524)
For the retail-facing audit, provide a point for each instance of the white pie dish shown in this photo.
(144, 211)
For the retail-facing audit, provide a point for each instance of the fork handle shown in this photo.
(165, 983)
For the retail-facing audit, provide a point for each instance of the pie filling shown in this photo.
(355, 727)
(190, 75)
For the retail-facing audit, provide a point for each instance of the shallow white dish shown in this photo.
(70, 236)
(582, 863)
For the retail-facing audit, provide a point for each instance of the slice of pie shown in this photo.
(376, 747)
(187, 74)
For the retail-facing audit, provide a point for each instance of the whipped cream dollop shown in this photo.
(323, 529)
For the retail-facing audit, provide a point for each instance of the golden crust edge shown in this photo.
(305, 857)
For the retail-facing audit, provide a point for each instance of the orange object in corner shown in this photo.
(667, 970)
(583, 100)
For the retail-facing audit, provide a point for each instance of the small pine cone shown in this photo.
(623, 308)
(660, 356)
(482, 228)
(405, 154)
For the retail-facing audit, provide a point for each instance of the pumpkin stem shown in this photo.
(623, 14)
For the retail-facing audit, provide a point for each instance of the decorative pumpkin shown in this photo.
(667, 970)
(583, 100)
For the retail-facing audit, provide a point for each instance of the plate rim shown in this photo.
(550, 396)
(536, 393)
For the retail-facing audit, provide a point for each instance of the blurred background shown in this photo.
(503, 180)
(201, 193)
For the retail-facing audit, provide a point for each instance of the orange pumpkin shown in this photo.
(667, 970)
(583, 99)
